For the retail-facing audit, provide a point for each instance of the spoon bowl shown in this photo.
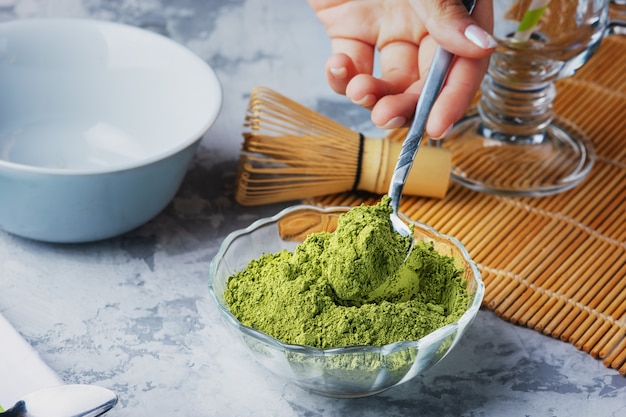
(72, 400)
(403, 229)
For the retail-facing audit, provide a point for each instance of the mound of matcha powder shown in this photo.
(327, 292)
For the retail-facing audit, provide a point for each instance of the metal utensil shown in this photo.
(432, 86)
(77, 400)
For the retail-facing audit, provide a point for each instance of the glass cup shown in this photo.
(512, 143)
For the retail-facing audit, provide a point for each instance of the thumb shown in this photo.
(451, 25)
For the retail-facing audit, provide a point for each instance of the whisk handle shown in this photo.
(434, 80)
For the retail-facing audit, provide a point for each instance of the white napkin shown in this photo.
(21, 368)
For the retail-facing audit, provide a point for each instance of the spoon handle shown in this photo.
(432, 86)
(434, 80)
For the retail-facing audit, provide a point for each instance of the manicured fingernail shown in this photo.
(340, 72)
(444, 134)
(479, 37)
(394, 123)
(367, 100)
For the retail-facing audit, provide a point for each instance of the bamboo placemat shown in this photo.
(556, 264)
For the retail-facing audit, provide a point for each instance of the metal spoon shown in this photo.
(76, 400)
(432, 86)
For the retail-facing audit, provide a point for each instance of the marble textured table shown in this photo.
(133, 313)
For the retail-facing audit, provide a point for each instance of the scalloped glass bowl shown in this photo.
(345, 372)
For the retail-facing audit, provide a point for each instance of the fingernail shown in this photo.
(479, 37)
(367, 100)
(444, 134)
(394, 123)
(339, 72)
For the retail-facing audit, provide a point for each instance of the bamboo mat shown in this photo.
(556, 264)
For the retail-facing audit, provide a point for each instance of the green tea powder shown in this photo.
(327, 292)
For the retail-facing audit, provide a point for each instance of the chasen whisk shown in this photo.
(291, 152)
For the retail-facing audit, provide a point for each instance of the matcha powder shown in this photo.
(328, 293)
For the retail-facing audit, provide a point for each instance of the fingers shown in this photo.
(454, 29)
(345, 75)
(456, 95)
(339, 70)
(406, 34)
(399, 64)
(394, 111)
(399, 69)
(463, 81)
(349, 58)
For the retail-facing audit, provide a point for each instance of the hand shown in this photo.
(406, 33)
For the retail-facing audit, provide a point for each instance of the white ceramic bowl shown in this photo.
(350, 371)
(98, 123)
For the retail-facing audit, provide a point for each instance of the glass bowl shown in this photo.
(350, 371)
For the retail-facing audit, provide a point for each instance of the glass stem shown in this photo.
(513, 110)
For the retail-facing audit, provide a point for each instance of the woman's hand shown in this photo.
(405, 33)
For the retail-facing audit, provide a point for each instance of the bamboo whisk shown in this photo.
(291, 152)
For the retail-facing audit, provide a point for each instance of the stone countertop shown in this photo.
(133, 313)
